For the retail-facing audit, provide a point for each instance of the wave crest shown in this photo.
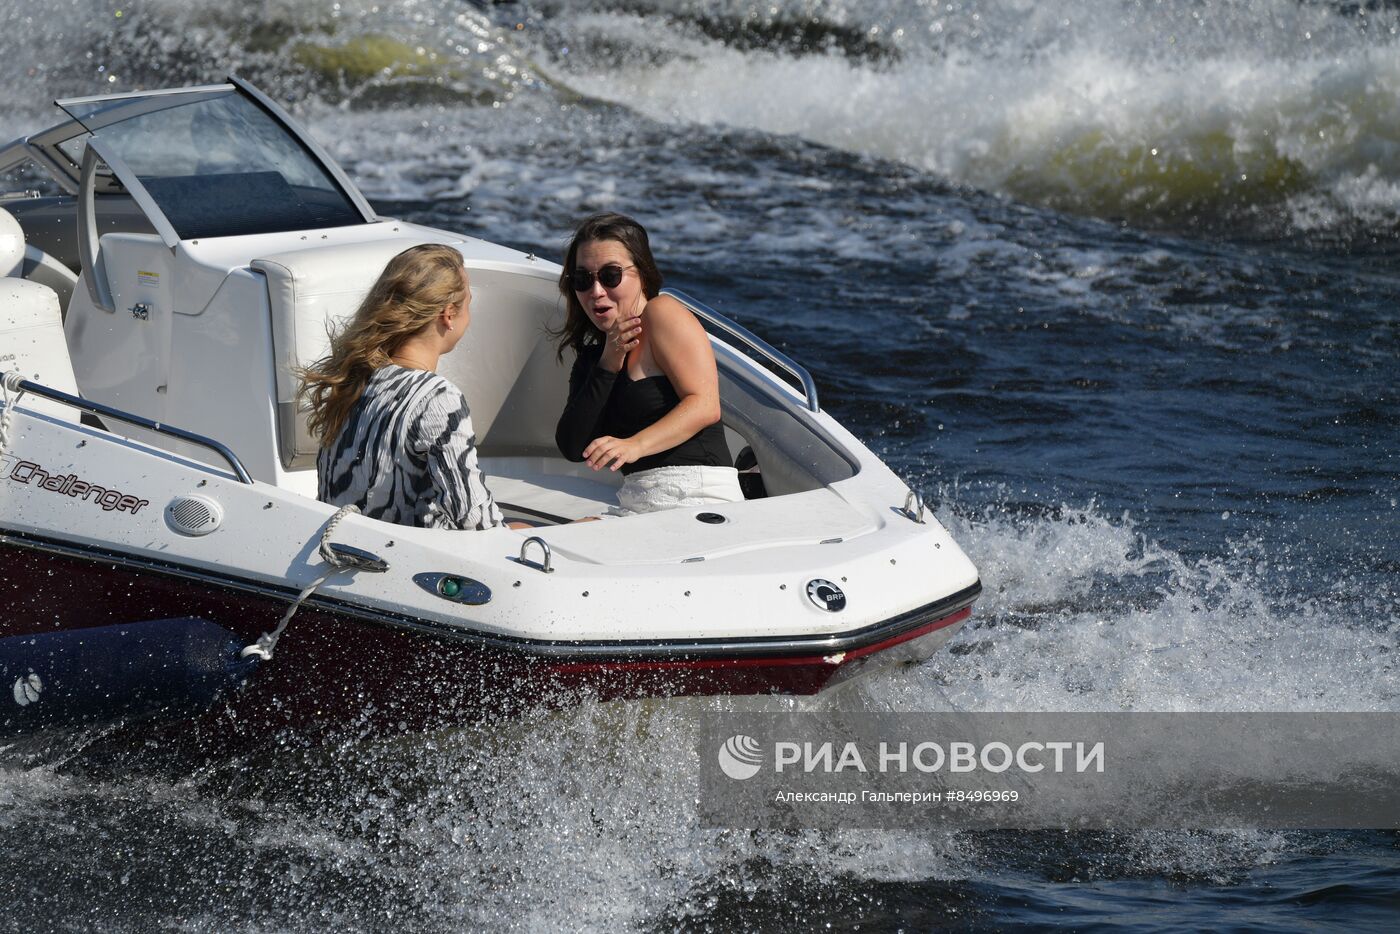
(1277, 114)
(1236, 128)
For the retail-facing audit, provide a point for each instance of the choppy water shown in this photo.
(1116, 283)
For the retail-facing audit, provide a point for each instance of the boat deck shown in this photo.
(540, 488)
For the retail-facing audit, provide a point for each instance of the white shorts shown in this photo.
(668, 487)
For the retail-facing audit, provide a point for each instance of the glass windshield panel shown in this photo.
(74, 149)
(220, 166)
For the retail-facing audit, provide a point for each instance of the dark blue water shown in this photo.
(1115, 284)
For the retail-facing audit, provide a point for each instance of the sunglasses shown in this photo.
(581, 280)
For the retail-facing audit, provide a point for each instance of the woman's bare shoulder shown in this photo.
(666, 306)
(677, 339)
(664, 314)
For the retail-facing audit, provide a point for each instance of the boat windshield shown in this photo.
(218, 165)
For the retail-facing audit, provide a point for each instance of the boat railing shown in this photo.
(107, 411)
(753, 342)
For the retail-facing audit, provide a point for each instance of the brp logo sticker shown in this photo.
(826, 596)
(739, 757)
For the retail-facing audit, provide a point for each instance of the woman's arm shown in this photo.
(682, 351)
(590, 384)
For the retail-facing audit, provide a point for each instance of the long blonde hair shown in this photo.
(410, 292)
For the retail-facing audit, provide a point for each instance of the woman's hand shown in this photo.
(608, 451)
(620, 339)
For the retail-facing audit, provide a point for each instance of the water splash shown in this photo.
(346, 53)
(1083, 612)
(1271, 113)
(1165, 113)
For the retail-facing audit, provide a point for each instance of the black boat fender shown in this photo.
(107, 672)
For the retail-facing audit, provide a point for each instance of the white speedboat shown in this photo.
(157, 481)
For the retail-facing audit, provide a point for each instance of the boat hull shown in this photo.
(333, 668)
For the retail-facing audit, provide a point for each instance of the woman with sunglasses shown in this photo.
(397, 438)
(644, 389)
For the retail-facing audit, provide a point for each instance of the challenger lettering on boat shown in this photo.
(31, 474)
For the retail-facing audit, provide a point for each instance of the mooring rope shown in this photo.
(10, 393)
(268, 640)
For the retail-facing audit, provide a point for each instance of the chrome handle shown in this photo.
(106, 411)
(914, 506)
(548, 564)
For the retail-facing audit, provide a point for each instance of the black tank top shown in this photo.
(630, 406)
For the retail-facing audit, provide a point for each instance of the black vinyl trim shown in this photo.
(537, 513)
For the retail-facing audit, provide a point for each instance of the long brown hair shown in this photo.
(577, 330)
(410, 292)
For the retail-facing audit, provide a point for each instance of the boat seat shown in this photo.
(504, 368)
(11, 245)
(31, 326)
(23, 260)
(548, 488)
(309, 291)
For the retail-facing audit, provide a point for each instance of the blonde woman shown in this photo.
(396, 438)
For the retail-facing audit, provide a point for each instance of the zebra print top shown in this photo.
(407, 454)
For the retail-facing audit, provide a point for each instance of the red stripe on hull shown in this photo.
(801, 674)
(331, 669)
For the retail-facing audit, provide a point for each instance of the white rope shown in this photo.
(327, 555)
(9, 383)
(268, 640)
